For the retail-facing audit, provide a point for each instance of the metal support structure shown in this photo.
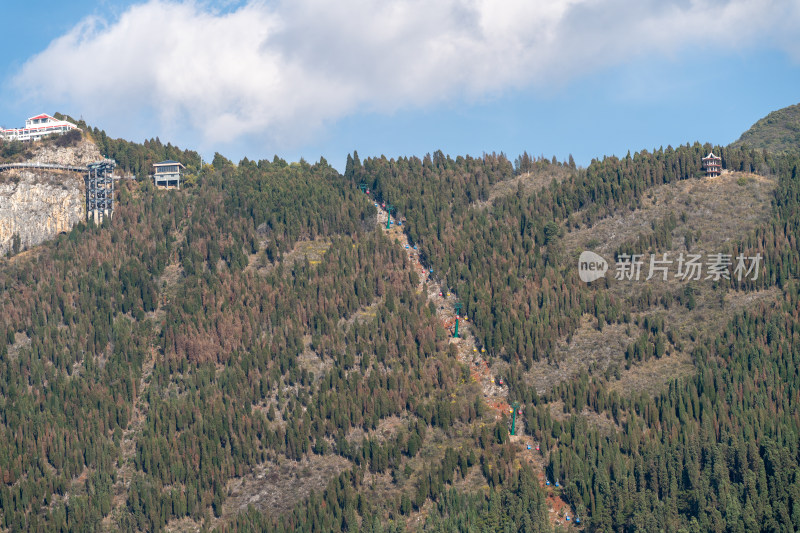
(99, 184)
(514, 408)
(100, 190)
(389, 208)
(457, 310)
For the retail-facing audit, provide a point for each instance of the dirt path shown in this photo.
(125, 468)
(495, 394)
(469, 352)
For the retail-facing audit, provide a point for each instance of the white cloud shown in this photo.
(282, 70)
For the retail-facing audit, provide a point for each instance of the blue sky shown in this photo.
(305, 78)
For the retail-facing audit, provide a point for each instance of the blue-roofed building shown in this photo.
(167, 174)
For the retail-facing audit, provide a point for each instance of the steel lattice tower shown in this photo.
(100, 190)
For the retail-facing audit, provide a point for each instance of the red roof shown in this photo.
(40, 116)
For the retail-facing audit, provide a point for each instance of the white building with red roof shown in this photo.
(36, 128)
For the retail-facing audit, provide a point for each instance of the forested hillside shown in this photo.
(252, 353)
(778, 132)
(151, 364)
(717, 450)
(137, 158)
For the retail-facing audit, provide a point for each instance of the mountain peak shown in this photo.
(778, 132)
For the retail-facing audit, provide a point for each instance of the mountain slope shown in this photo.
(249, 349)
(251, 353)
(778, 132)
(677, 434)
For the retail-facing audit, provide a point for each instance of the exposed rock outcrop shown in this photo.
(82, 154)
(37, 206)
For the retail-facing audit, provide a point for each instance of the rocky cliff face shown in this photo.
(38, 205)
(83, 153)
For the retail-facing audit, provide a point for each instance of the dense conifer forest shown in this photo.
(777, 132)
(153, 363)
(716, 452)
